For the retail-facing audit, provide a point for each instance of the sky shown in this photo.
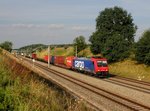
(25, 22)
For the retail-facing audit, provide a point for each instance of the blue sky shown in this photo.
(27, 22)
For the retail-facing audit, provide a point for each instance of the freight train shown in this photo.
(95, 65)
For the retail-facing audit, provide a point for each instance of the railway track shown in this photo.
(141, 86)
(121, 100)
(133, 80)
(130, 84)
(126, 82)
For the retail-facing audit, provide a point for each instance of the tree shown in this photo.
(143, 48)
(116, 48)
(110, 22)
(80, 43)
(6, 45)
(97, 42)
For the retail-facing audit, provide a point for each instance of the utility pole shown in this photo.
(48, 56)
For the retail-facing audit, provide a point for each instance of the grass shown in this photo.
(69, 51)
(21, 90)
(85, 53)
(57, 51)
(130, 68)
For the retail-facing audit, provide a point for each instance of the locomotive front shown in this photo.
(101, 67)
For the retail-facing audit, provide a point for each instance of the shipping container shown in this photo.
(59, 60)
(52, 60)
(34, 56)
(46, 58)
(69, 61)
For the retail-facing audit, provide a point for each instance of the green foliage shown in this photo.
(33, 48)
(147, 58)
(97, 42)
(111, 22)
(116, 48)
(6, 45)
(0, 51)
(60, 45)
(6, 99)
(80, 43)
(143, 48)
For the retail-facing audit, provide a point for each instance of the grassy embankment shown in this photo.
(130, 68)
(57, 51)
(21, 90)
(65, 52)
(127, 68)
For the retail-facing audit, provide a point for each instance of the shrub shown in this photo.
(142, 54)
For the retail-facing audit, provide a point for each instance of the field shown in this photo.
(130, 68)
(21, 90)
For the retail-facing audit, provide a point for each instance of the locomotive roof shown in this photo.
(98, 58)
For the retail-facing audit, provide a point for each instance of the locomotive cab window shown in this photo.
(102, 63)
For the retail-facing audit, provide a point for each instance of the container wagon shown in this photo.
(69, 61)
(46, 58)
(34, 56)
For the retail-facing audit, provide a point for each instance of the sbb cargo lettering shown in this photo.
(79, 64)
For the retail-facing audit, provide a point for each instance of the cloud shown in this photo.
(56, 26)
(129, 1)
(82, 28)
(29, 26)
(24, 26)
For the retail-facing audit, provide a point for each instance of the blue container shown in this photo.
(52, 60)
(83, 65)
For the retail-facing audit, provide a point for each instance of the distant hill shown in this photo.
(41, 49)
(32, 48)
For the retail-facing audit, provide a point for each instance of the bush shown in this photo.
(142, 54)
(6, 45)
(79, 43)
(147, 59)
(0, 51)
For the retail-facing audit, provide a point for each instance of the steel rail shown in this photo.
(129, 85)
(134, 80)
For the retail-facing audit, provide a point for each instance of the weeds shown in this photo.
(0, 50)
(21, 90)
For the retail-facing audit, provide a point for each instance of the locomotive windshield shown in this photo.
(102, 63)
